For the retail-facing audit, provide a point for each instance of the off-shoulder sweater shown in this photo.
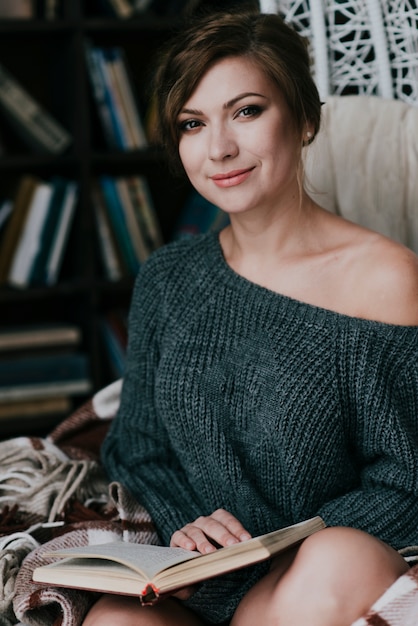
(238, 397)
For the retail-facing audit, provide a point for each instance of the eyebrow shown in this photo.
(228, 104)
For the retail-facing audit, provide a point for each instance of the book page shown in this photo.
(148, 560)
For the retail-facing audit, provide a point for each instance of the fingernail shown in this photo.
(231, 541)
(210, 549)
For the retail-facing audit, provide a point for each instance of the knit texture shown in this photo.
(238, 397)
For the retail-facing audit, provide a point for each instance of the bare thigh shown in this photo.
(127, 611)
(334, 578)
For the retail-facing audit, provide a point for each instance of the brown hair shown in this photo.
(263, 38)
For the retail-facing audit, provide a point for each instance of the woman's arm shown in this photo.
(137, 450)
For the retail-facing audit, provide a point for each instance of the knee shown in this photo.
(338, 571)
(348, 552)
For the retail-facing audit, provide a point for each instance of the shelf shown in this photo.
(47, 58)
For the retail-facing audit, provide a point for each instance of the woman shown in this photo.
(272, 367)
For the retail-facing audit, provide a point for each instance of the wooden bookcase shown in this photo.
(47, 57)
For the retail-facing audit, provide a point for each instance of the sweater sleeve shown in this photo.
(382, 403)
(136, 451)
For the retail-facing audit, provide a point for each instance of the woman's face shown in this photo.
(238, 142)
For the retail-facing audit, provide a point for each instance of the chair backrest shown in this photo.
(363, 164)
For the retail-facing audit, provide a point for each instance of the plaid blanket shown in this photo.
(54, 494)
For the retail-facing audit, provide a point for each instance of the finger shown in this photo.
(194, 535)
(208, 532)
(223, 529)
(232, 524)
(180, 539)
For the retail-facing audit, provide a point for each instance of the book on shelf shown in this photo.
(6, 208)
(48, 9)
(38, 266)
(130, 208)
(145, 211)
(128, 108)
(61, 233)
(140, 6)
(44, 376)
(100, 95)
(118, 221)
(36, 126)
(21, 202)
(17, 9)
(29, 9)
(43, 232)
(39, 336)
(114, 96)
(118, 8)
(199, 216)
(29, 242)
(149, 571)
(128, 227)
(110, 257)
(41, 407)
(115, 334)
(113, 102)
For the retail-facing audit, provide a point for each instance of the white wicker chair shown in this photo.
(364, 47)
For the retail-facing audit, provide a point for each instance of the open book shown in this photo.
(149, 571)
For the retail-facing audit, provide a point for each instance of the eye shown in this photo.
(251, 110)
(188, 125)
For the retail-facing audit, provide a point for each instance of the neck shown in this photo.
(277, 234)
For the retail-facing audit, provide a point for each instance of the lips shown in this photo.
(229, 179)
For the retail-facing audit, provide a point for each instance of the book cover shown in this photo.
(21, 203)
(29, 242)
(31, 120)
(149, 571)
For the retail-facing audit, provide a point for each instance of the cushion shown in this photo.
(363, 164)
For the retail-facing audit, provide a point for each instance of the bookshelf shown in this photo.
(47, 56)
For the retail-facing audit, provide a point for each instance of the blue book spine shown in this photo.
(61, 367)
(110, 98)
(118, 221)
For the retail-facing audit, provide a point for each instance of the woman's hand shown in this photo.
(206, 534)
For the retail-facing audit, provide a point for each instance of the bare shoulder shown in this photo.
(388, 275)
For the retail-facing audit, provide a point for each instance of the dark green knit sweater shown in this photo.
(276, 410)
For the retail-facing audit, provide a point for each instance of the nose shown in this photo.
(222, 144)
